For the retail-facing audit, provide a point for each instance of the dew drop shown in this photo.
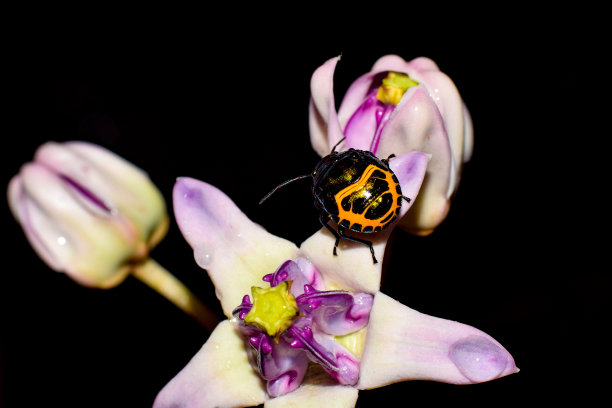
(478, 358)
(203, 257)
(61, 240)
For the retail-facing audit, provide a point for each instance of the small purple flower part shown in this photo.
(364, 128)
(292, 271)
(244, 308)
(282, 366)
(336, 312)
(332, 357)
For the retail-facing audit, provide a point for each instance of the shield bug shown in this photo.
(357, 191)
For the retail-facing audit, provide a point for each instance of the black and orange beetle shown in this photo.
(356, 190)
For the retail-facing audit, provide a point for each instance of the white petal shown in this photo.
(219, 375)
(235, 251)
(403, 344)
(352, 269)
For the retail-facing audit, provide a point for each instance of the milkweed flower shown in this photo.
(315, 328)
(95, 216)
(399, 107)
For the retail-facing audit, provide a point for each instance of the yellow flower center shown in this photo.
(274, 309)
(394, 86)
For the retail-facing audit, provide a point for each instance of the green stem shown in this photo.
(162, 281)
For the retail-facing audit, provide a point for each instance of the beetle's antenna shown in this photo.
(337, 144)
(282, 185)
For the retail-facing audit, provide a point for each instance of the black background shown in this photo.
(516, 257)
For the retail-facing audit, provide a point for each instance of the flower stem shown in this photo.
(162, 281)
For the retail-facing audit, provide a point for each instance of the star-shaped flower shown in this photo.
(391, 343)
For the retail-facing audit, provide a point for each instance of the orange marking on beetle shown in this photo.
(358, 190)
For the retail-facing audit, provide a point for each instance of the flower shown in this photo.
(297, 320)
(93, 215)
(399, 107)
(386, 342)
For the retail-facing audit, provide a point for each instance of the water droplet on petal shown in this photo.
(203, 257)
(478, 358)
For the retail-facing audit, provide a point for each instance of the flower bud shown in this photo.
(87, 212)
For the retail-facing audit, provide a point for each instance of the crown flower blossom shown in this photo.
(94, 216)
(399, 107)
(305, 328)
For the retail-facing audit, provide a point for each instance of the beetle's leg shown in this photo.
(324, 220)
(386, 161)
(407, 199)
(358, 240)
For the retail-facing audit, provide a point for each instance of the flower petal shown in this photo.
(219, 375)
(318, 390)
(410, 169)
(468, 139)
(336, 312)
(417, 125)
(352, 269)
(445, 95)
(282, 366)
(70, 238)
(403, 344)
(325, 129)
(123, 188)
(236, 252)
(355, 95)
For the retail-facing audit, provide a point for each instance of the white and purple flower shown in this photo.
(319, 330)
(396, 108)
(94, 216)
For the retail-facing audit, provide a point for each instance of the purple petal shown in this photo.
(336, 312)
(311, 273)
(357, 92)
(243, 309)
(235, 251)
(332, 357)
(410, 169)
(292, 271)
(219, 375)
(317, 391)
(365, 126)
(282, 366)
(403, 344)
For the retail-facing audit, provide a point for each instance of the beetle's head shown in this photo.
(322, 166)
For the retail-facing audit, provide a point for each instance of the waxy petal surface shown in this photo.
(442, 91)
(403, 344)
(219, 375)
(325, 129)
(235, 252)
(87, 246)
(417, 125)
(318, 390)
